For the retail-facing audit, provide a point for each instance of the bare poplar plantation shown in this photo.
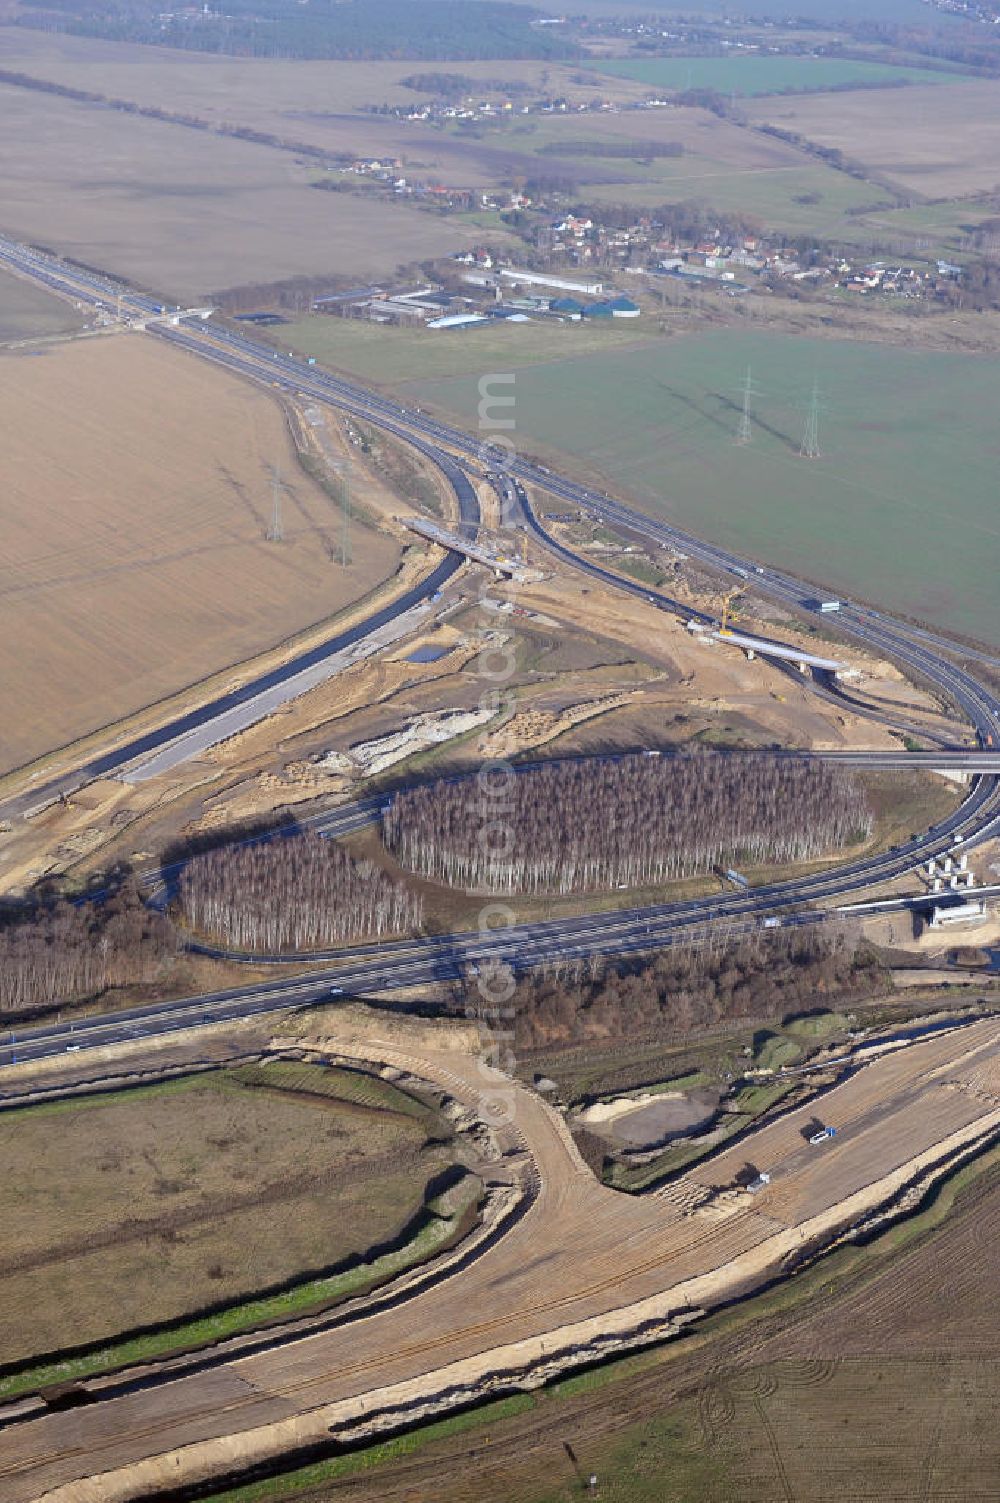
(62, 952)
(634, 821)
(293, 894)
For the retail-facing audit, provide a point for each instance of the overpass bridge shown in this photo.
(975, 762)
(475, 548)
(764, 647)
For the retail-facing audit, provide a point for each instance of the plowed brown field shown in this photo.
(135, 495)
(922, 142)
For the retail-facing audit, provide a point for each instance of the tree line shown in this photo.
(433, 30)
(294, 894)
(683, 991)
(575, 826)
(63, 952)
(461, 85)
(172, 117)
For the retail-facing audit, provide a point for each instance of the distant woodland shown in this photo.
(439, 30)
(682, 991)
(577, 826)
(294, 894)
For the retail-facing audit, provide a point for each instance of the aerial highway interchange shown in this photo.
(581, 1264)
(421, 961)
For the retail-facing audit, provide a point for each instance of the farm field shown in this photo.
(28, 312)
(734, 169)
(185, 213)
(800, 199)
(324, 104)
(926, 230)
(130, 1209)
(391, 355)
(221, 88)
(657, 421)
(752, 75)
(816, 10)
(135, 535)
(918, 138)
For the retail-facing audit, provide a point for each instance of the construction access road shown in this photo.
(583, 1269)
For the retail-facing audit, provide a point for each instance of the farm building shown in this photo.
(540, 279)
(617, 307)
(624, 307)
(456, 321)
(568, 307)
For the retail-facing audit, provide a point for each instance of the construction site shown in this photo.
(722, 1069)
(574, 1271)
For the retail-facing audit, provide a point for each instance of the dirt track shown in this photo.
(584, 1262)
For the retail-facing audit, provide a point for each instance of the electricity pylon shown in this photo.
(345, 521)
(744, 432)
(276, 531)
(809, 448)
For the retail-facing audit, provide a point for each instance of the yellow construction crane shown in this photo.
(727, 610)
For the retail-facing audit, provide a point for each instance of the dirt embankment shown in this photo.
(583, 1271)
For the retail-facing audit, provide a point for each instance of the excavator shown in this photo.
(728, 611)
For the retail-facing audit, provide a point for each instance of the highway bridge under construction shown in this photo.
(765, 648)
(481, 550)
(564, 1270)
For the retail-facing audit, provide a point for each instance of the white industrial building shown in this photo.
(540, 279)
(456, 321)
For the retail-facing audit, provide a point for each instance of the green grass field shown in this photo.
(926, 230)
(901, 509)
(393, 355)
(809, 200)
(751, 75)
(734, 170)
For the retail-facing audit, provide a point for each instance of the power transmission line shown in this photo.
(744, 431)
(809, 448)
(276, 531)
(346, 557)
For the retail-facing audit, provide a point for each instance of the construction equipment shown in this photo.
(727, 609)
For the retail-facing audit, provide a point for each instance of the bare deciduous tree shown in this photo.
(600, 822)
(62, 952)
(292, 894)
(691, 989)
